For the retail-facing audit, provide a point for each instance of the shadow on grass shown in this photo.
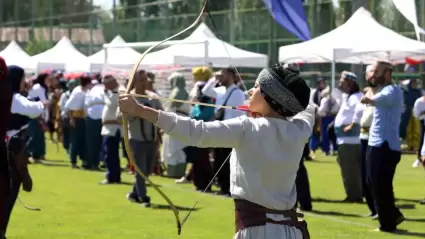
(324, 200)
(406, 206)
(52, 164)
(415, 220)
(149, 185)
(408, 233)
(124, 183)
(333, 213)
(320, 161)
(167, 207)
(409, 200)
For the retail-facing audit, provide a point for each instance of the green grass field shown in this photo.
(73, 205)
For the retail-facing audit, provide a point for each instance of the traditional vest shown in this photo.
(18, 121)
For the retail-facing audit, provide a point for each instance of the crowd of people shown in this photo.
(361, 127)
(82, 115)
(365, 129)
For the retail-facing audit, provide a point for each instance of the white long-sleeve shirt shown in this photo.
(325, 109)
(363, 116)
(346, 116)
(110, 113)
(23, 106)
(76, 99)
(419, 108)
(94, 102)
(62, 101)
(237, 97)
(37, 91)
(266, 152)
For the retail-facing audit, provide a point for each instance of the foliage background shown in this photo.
(244, 23)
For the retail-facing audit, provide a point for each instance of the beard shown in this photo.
(372, 84)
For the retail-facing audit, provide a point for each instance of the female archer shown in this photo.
(266, 150)
(22, 110)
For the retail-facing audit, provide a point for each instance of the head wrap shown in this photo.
(284, 90)
(201, 73)
(179, 92)
(349, 75)
(14, 77)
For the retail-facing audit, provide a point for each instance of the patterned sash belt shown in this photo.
(248, 214)
(364, 130)
(111, 122)
(78, 114)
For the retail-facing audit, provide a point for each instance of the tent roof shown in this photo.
(14, 55)
(359, 40)
(63, 54)
(194, 54)
(126, 56)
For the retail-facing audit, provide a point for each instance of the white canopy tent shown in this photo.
(117, 58)
(359, 40)
(213, 51)
(63, 55)
(14, 55)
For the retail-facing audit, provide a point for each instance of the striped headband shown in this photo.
(273, 86)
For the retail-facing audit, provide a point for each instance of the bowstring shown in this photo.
(26, 206)
(230, 154)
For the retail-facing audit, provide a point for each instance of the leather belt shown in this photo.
(248, 214)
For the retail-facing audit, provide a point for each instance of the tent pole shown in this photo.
(105, 64)
(206, 52)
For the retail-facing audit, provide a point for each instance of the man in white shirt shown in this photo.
(227, 94)
(348, 138)
(94, 103)
(75, 109)
(111, 132)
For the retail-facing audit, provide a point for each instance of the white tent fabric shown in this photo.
(194, 54)
(14, 55)
(359, 40)
(118, 58)
(63, 55)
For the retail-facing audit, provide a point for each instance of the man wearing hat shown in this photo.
(347, 132)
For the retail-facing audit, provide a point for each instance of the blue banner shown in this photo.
(290, 15)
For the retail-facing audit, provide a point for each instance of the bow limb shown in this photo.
(137, 169)
(125, 121)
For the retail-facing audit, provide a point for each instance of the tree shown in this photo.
(131, 9)
(36, 47)
(20, 12)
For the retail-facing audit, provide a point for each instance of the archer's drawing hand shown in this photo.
(128, 105)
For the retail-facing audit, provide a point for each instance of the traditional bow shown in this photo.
(125, 125)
